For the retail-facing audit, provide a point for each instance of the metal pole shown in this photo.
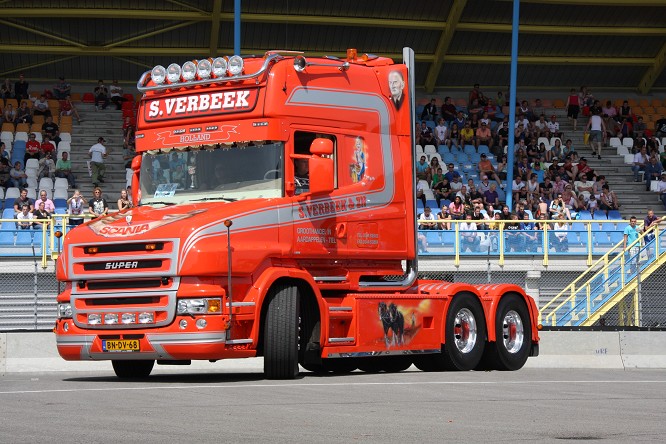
(638, 322)
(237, 25)
(512, 103)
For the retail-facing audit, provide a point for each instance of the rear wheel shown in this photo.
(465, 333)
(281, 333)
(133, 369)
(513, 339)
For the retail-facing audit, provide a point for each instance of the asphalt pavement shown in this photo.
(190, 405)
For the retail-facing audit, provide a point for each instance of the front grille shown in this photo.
(120, 247)
(123, 301)
(117, 285)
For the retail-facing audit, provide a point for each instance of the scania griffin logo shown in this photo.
(119, 265)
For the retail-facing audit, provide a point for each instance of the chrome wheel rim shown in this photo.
(465, 330)
(513, 332)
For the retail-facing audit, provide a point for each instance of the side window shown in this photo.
(302, 142)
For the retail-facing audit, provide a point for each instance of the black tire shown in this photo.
(370, 365)
(396, 364)
(513, 333)
(281, 333)
(431, 362)
(340, 365)
(465, 333)
(133, 369)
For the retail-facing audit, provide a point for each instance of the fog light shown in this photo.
(182, 324)
(157, 74)
(189, 71)
(65, 326)
(94, 319)
(173, 73)
(110, 318)
(146, 318)
(201, 323)
(235, 65)
(128, 318)
(220, 67)
(204, 69)
(65, 310)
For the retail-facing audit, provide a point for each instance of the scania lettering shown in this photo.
(276, 219)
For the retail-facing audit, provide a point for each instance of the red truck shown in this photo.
(276, 218)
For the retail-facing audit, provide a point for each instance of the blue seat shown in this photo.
(8, 213)
(462, 157)
(469, 149)
(475, 158)
(455, 149)
(433, 237)
(60, 203)
(501, 195)
(445, 202)
(443, 149)
(449, 158)
(24, 237)
(431, 203)
(573, 239)
(600, 238)
(614, 215)
(584, 215)
(617, 236)
(6, 237)
(599, 215)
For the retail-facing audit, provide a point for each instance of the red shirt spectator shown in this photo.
(47, 146)
(32, 146)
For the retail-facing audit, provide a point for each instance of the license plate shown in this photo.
(124, 345)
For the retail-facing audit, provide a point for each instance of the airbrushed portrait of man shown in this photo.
(397, 87)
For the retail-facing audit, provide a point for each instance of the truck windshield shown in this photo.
(241, 171)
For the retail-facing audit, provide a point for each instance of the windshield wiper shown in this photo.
(228, 199)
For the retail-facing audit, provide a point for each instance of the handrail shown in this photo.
(607, 264)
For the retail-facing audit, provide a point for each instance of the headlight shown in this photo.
(146, 318)
(203, 69)
(173, 73)
(128, 318)
(94, 319)
(64, 310)
(157, 74)
(189, 71)
(110, 318)
(235, 65)
(200, 306)
(219, 67)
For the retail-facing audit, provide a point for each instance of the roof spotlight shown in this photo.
(219, 67)
(189, 71)
(203, 69)
(157, 74)
(173, 73)
(235, 65)
(300, 63)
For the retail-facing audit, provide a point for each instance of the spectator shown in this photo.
(6, 89)
(554, 127)
(97, 154)
(75, 208)
(518, 189)
(23, 199)
(491, 198)
(441, 132)
(18, 176)
(486, 168)
(514, 239)
(426, 137)
(420, 191)
(98, 205)
(469, 239)
(101, 95)
(569, 150)
(32, 149)
(454, 136)
(9, 114)
(25, 217)
(429, 111)
(525, 110)
(533, 191)
(451, 173)
(584, 186)
(573, 107)
(51, 129)
(660, 127)
(639, 128)
(3, 152)
(445, 217)
(21, 89)
(630, 236)
(484, 185)
(62, 89)
(597, 133)
(570, 199)
(448, 110)
(555, 151)
(23, 114)
(41, 213)
(625, 111)
(426, 219)
(41, 107)
(608, 200)
(441, 189)
(422, 168)
(650, 220)
(546, 189)
(47, 146)
(47, 167)
(483, 135)
(124, 203)
(116, 93)
(467, 134)
(641, 160)
(67, 108)
(477, 94)
(457, 209)
(558, 208)
(541, 127)
(64, 169)
(653, 171)
(422, 243)
(662, 189)
(559, 239)
(456, 185)
(48, 203)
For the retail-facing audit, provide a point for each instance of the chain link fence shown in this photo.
(28, 292)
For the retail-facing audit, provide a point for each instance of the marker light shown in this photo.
(94, 319)
(203, 69)
(189, 71)
(110, 318)
(219, 67)
(146, 318)
(128, 318)
(235, 65)
(173, 73)
(157, 74)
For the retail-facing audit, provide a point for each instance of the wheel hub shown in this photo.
(513, 332)
(465, 330)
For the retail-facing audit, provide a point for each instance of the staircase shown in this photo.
(610, 280)
(103, 123)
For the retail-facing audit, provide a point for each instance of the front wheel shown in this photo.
(281, 333)
(513, 339)
(133, 369)
(465, 333)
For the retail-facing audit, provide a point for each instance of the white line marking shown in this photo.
(334, 384)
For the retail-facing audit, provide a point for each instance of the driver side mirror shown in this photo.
(321, 168)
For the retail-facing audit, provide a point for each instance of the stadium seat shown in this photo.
(622, 150)
(483, 149)
(38, 136)
(88, 98)
(59, 202)
(24, 237)
(65, 120)
(12, 193)
(32, 193)
(21, 135)
(32, 182)
(6, 237)
(443, 149)
(614, 215)
(429, 150)
(469, 149)
(32, 173)
(628, 142)
(615, 142)
(8, 127)
(545, 141)
(66, 137)
(60, 183)
(32, 163)
(7, 137)
(46, 183)
(22, 127)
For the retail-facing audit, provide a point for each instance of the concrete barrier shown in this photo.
(36, 352)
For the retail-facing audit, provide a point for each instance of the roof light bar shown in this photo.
(189, 71)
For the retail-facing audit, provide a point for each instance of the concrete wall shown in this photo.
(36, 352)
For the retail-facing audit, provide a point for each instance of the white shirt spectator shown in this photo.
(23, 218)
(98, 152)
(554, 127)
(515, 187)
(641, 159)
(595, 123)
(441, 132)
